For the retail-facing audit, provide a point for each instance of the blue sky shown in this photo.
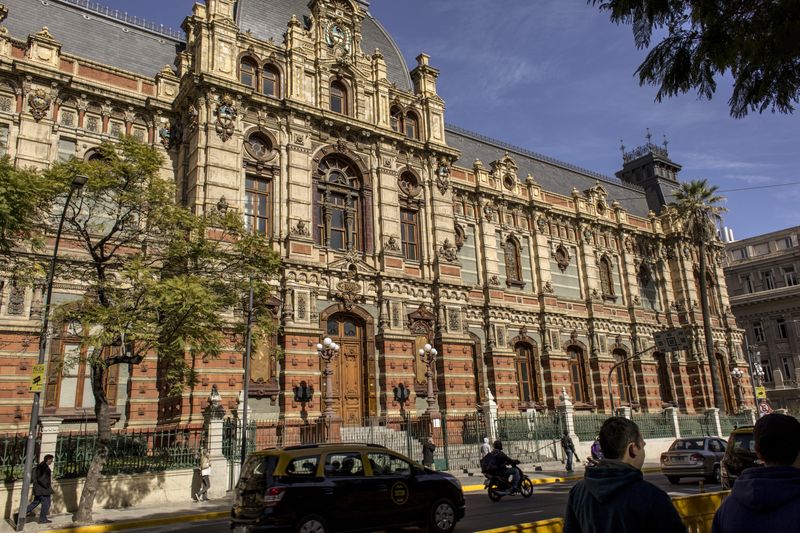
(557, 77)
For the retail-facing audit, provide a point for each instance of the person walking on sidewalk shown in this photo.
(766, 498)
(428, 447)
(205, 473)
(613, 496)
(42, 489)
(485, 448)
(569, 450)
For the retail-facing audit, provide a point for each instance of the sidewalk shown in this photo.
(106, 520)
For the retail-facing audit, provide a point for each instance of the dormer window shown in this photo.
(412, 126)
(247, 73)
(338, 98)
(270, 81)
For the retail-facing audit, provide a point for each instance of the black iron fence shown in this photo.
(12, 455)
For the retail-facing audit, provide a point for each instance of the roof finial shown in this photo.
(621, 146)
(649, 136)
(666, 142)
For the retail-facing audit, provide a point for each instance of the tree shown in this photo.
(160, 280)
(24, 198)
(757, 41)
(697, 208)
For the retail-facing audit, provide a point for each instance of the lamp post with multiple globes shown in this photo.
(428, 355)
(328, 350)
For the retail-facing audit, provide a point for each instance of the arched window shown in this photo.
(396, 119)
(647, 288)
(710, 291)
(526, 373)
(513, 263)
(247, 73)
(664, 384)
(338, 98)
(577, 374)
(412, 126)
(606, 277)
(723, 373)
(339, 205)
(270, 81)
(623, 378)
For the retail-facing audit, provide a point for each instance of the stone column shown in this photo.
(220, 480)
(50, 428)
(624, 411)
(568, 413)
(672, 415)
(714, 413)
(490, 412)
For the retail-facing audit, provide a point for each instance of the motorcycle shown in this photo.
(498, 486)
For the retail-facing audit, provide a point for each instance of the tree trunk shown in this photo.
(716, 386)
(94, 475)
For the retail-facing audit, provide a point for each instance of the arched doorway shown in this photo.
(623, 378)
(577, 375)
(664, 381)
(349, 375)
(723, 373)
(527, 375)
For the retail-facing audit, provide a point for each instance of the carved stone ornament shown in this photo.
(301, 229)
(409, 185)
(494, 281)
(392, 244)
(637, 300)
(420, 322)
(548, 287)
(596, 295)
(192, 117)
(561, 256)
(39, 103)
(349, 292)
(541, 223)
(587, 235)
(443, 177)
(168, 135)
(44, 33)
(461, 236)
(448, 251)
(226, 117)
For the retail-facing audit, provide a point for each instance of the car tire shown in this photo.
(494, 492)
(715, 475)
(442, 517)
(312, 523)
(674, 479)
(526, 488)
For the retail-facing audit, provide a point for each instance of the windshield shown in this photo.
(744, 443)
(257, 472)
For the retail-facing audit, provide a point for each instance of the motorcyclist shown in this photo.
(503, 464)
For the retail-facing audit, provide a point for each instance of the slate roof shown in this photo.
(87, 33)
(553, 175)
(269, 18)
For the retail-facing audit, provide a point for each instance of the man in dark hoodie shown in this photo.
(613, 496)
(767, 498)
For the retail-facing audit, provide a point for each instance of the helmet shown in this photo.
(498, 445)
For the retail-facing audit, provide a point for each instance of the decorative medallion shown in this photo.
(509, 181)
(443, 176)
(561, 256)
(168, 135)
(420, 322)
(392, 244)
(259, 146)
(409, 185)
(39, 103)
(338, 36)
(461, 236)
(301, 229)
(448, 251)
(226, 117)
(349, 292)
(541, 223)
(548, 287)
(494, 281)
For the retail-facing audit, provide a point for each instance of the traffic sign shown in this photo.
(37, 378)
(761, 392)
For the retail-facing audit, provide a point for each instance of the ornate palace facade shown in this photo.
(529, 275)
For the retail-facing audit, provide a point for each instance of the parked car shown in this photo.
(322, 488)
(741, 454)
(693, 457)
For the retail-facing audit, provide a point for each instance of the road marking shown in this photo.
(142, 524)
(528, 512)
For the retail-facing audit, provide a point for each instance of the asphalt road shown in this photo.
(548, 501)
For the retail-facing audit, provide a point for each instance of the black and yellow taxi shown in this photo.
(342, 487)
(741, 454)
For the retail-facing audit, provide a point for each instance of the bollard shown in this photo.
(702, 485)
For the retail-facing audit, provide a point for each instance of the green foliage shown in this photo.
(697, 207)
(24, 199)
(159, 279)
(757, 41)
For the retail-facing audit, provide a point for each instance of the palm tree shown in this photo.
(697, 207)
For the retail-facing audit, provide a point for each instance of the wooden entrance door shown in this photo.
(348, 368)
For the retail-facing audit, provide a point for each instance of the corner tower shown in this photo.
(650, 167)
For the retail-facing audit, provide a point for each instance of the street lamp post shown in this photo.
(428, 355)
(327, 351)
(737, 376)
(77, 183)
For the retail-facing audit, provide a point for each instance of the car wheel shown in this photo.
(311, 524)
(714, 477)
(674, 479)
(494, 492)
(526, 488)
(443, 517)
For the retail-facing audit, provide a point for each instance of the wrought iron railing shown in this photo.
(654, 425)
(697, 425)
(730, 422)
(130, 451)
(12, 455)
(587, 425)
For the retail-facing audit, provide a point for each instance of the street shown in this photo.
(548, 501)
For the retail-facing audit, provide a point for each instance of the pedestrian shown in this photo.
(613, 497)
(42, 489)
(766, 498)
(205, 473)
(428, 447)
(597, 450)
(485, 448)
(569, 450)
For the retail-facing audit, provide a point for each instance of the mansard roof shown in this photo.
(552, 175)
(97, 33)
(268, 19)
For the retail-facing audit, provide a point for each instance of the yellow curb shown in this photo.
(552, 525)
(138, 524)
(549, 480)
